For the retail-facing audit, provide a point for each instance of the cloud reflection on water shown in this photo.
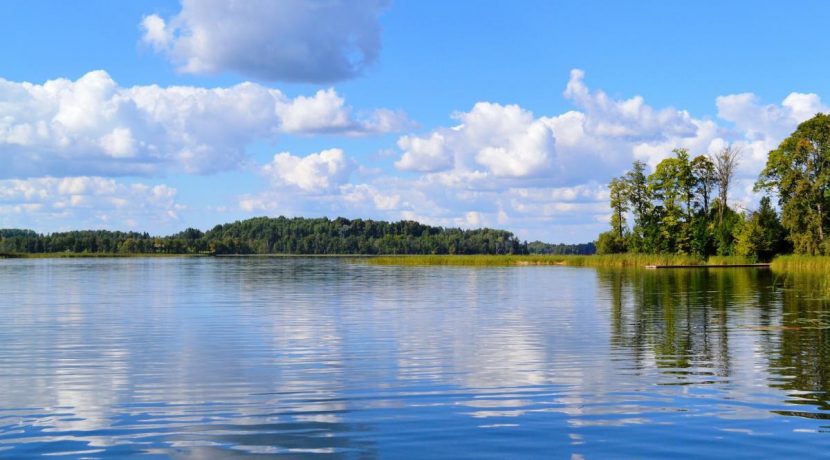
(209, 357)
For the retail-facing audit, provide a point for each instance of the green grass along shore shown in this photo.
(609, 260)
(800, 263)
(818, 264)
(781, 263)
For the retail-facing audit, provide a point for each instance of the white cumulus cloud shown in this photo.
(315, 173)
(546, 175)
(93, 126)
(92, 202)
(327, 112)
(501, 140)
(287, 40)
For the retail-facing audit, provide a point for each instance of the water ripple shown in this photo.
(292, 357)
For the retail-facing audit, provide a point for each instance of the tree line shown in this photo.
(263, 235)
(682, 206)
(558, 249)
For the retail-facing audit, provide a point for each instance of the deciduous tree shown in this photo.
(798, 171)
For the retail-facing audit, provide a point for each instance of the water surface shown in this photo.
(332, 358)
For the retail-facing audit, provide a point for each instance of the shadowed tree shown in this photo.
(705, 180)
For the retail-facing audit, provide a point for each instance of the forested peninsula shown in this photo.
(282, 235)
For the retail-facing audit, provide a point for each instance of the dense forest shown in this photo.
(681, 207)
(538, 247)
(263, 235)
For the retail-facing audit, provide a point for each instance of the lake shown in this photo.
(335, 358)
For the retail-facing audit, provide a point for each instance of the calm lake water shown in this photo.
(233, 357)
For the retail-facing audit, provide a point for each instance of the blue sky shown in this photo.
(504, 114)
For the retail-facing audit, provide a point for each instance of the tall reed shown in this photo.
(608, 260)
(802, 263)
(729, 260)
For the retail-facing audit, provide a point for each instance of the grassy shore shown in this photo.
(811, 274)
(798, 263)
(728, 260)
(609, 260)
(788, 263)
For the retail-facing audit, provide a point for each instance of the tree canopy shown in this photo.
(798, 171)
(264, 235)
(674, 212)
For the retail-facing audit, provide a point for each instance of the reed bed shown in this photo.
(608, 260)
(801, 263)
(729, 260)
(809, 273)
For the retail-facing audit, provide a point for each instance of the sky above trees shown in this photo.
(159, 115)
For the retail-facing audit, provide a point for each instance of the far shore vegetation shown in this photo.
(678, 214)
(86, 255)
(609, 260)
(287, 236)
(782, 263)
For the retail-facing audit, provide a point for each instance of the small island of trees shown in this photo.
(682, 206)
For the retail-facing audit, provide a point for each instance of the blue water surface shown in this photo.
(336, 358)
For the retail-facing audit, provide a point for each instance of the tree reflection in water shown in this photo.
(683, 321)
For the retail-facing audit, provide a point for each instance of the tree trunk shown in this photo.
(619, 221)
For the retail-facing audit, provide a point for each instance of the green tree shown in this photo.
(619, 204)
(798, 171)
(639, 199)
(760, 236)
(724, 228)
(128, 246)
(705, 179)
(636, 183)
(686, 180)
(670, 185)
(610, 243)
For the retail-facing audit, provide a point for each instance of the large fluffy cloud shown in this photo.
(315, 173)
(301, 183)
(327, 113)
(93, 126)
(501, 147)
(496, 145)
(502, 140)
(91, 202)
(286, 40)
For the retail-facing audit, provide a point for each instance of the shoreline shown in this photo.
(785, 263)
